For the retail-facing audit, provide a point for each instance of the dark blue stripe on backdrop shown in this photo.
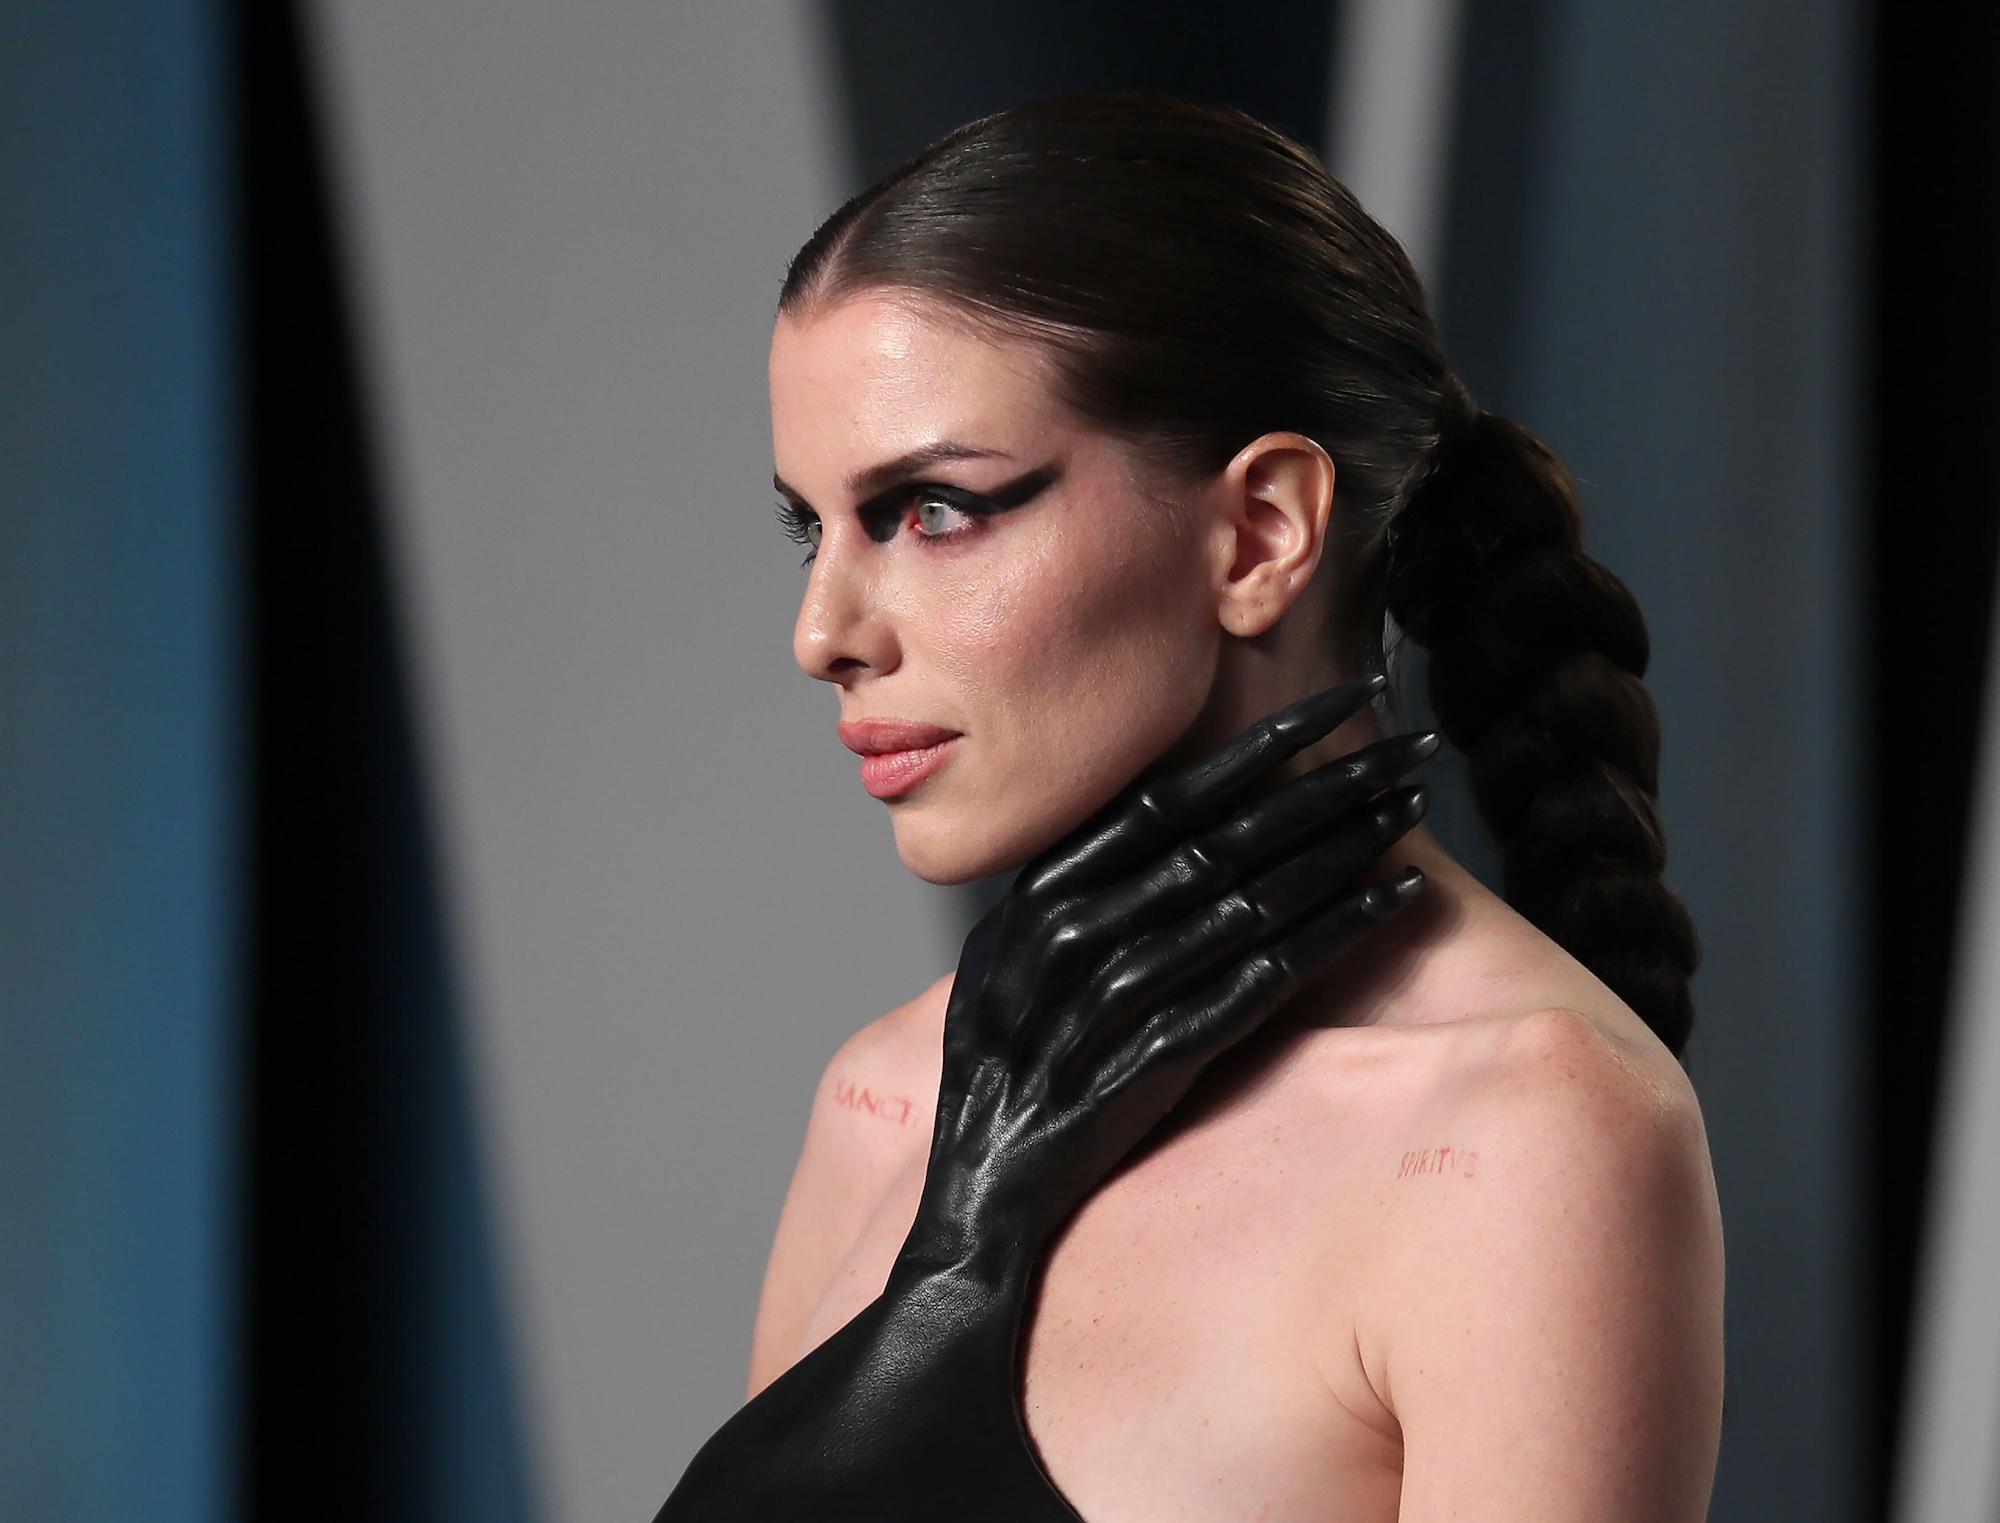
(1934, 541)
(118, 817)
(379, 1381)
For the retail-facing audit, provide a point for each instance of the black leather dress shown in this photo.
(941, 1437)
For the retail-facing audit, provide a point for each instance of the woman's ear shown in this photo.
(1272, 506)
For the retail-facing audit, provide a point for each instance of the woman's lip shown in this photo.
(887, 774)
(874, 737)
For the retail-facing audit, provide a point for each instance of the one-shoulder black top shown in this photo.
(945, 1440)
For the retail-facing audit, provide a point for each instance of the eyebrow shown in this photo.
(876, 479)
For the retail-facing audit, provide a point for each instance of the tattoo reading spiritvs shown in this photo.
(1419, 1161)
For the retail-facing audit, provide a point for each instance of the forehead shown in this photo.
(877, 375)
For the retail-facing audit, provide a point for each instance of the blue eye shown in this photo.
(930, 501)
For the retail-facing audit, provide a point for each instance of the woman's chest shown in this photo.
(1189, 1354)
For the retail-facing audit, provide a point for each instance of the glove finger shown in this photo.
(1149, 968)
(1175, 1043)
(1227, 855)
(1154, 812)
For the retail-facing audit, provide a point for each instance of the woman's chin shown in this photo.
(948, 859)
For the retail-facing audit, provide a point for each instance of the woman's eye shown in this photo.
(802, 528)
(933, 529)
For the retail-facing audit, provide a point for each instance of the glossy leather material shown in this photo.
(1122, 961)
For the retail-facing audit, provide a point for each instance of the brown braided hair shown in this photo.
(1199, 279)
(1537, 655)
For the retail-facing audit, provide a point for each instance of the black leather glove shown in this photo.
(1124, 958)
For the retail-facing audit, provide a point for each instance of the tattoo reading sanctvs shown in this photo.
(895, 1109)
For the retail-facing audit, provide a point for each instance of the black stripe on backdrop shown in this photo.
(1934, 538)
(914, 70)
(1501, 87)
(368, 1277)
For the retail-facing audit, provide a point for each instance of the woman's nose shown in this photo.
(841, 627)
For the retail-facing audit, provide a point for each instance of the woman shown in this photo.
(1115, 425)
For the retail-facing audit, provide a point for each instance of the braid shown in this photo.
(1536, 658)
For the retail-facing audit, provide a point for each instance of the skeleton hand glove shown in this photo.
(1123, 960)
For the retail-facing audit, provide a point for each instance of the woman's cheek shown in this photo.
(1011, 611)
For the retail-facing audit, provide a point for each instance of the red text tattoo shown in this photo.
(1459, 1161)
(895, 1109)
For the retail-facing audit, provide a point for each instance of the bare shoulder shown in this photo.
(1557, 1248)
(1552, 1106)
(1560, 1074)
(869, 1122)
(895, 1059)
(878, 1091)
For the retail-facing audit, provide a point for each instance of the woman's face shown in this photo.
(1031, 600)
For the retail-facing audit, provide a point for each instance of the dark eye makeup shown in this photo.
(882, 516)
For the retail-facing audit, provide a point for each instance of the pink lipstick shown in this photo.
(896, 754)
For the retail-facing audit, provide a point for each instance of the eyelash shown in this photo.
(798, 523)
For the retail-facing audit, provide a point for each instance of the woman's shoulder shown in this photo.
(1528, 1061)
(1547, 1088)
(880, 1086)
(1550, 1239)
(867, 1127)
(870, 1118)
(1487, 1011)
(1498, 1064)
(1582, 1103)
